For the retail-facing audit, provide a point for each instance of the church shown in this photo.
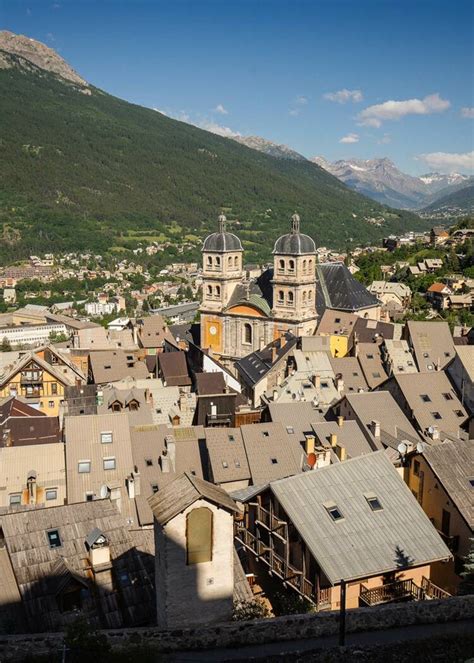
(240, 314)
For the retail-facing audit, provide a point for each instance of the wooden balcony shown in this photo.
(392, 592)
(432, 591)
(290, 575)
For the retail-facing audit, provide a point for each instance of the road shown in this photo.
(366, 638)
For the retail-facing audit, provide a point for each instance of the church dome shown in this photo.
(294, 243)
(222, 241)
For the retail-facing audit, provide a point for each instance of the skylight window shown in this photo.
(225, 464)
(290, 430)
(471, 481)
(54, 539)
(448, 396)
(334, 512)
(425, 398)
(265, 433)
(459, 413)
(374, 502)
(231, 438)
(237, 463)
(274, 461)
(436, 415)
(149, 462)
(370, 356)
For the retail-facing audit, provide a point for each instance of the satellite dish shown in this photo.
(104, 491)
(420, 447)
(402, 448)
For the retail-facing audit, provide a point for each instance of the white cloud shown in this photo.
(448, 161)
(373, 116)
(344, 95)
(297, 105)
(467, 112)
(215, 128)
(350, 138)
(220, 109)
(385, 140)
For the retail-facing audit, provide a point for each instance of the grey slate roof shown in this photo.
(294, 244)
(222, 242)
(371, 363)
(271, 452)
(365, 542)
(340, 290)
(432, 344)
(256, 365)
(453, 464)
(351, 372)
(227, 455)
(349, 436)
(183, 492)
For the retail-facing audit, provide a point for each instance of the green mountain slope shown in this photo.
(462, 199)
(80, 170)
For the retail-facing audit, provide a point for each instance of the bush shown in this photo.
(83, 639)
(252, 609)
(286, 603)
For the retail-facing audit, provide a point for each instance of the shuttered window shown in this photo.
(199, 536)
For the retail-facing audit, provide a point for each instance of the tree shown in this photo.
(467, 583)
(5, 345)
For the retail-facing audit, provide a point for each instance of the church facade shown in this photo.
(239, 314)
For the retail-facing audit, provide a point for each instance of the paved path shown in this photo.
(416, 632)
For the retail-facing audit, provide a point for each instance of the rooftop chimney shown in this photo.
(98, 547)
(340, 384)
(31, 486)
(165, 462)
(333, 439)
(375, 426)
(171, 451)
(340, 421)
(316, 380)
(134, 484)
(309, 444)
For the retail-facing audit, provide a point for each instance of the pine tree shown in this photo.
(467, 583)
(5, 345)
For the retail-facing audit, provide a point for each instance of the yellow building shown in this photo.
(40, 377)
(442, 479)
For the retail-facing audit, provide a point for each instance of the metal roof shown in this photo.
(294, 244)
(222, 242)
(363, 543)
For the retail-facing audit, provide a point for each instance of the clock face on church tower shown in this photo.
(213, 330)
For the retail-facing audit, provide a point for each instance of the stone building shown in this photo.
(239, 314)
(194, 553)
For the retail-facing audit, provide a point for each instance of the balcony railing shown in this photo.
(219, 419)
(400, 590)
(279, 567)
(432, 591)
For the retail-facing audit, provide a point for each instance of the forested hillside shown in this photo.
(82, 170)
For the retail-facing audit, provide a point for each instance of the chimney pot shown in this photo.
(333, 439)
(340, 421)
(375, 428)
(309, 444)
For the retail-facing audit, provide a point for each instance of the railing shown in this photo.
(286, 572)
(268, 520)
(217, 419)
(432, 591)
(393, 591)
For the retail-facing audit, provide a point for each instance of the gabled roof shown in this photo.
(341, 290)
(272, 453)
(153, 332)
(210, 383)
(25, 359)
(114, 365)
(182, 493)
(227, 455)
(453, 464)
(256, 365)
(432, 344)
(363, 543)
(174, 368)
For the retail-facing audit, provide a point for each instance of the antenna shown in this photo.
(420, 447)
(402, 448)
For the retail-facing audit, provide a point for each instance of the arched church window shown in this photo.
(310, 265)
(218, 261)
(281, 265)
(291, 298)
(281, 296)
(199, 536)
(310, 296)
(247, 333)
(304, 266)
(209, 261)
(304, 296)
(209, 290)
(229, 261)
(236, 261)
(218, 290)
(291, 265)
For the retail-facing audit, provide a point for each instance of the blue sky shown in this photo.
(336, 78)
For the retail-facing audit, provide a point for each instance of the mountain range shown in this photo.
(379, 179)
(82, 169)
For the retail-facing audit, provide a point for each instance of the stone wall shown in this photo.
(238, 634)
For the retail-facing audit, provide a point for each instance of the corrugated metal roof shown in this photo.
(363, 543)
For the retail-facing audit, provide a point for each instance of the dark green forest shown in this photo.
(81, 171)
